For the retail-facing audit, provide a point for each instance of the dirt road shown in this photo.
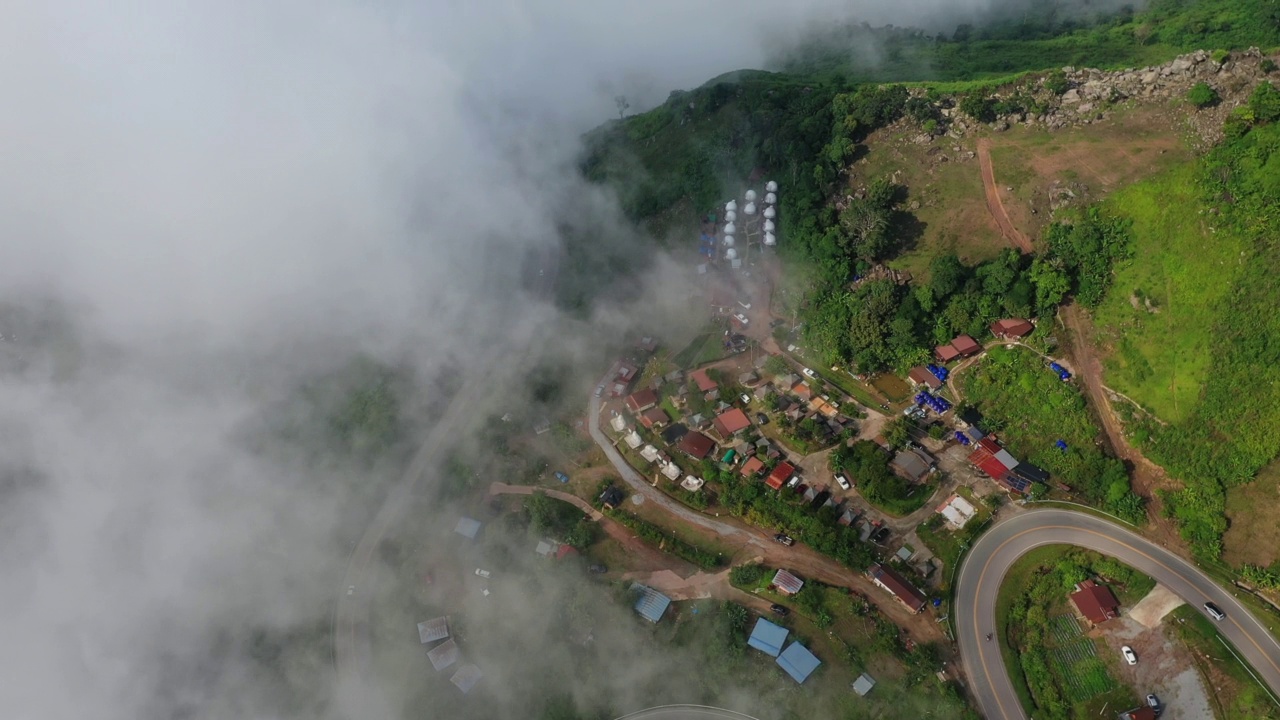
(758, 545)
(994, 204)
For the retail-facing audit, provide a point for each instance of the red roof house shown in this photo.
(802, 390)
(921, 376)
(1011, 328)
(751, 467)
(704, 381)
(945, 353)
(654, 417)
(966, 345)
(696, 445)
(1095, 602)
(731, 422)
(1146, 712)
(897, 586)
(780, 475)
(642, 400)
(992, 459)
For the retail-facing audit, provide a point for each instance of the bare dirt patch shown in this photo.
(1165, 667)
(1152, 608)
(995, 205)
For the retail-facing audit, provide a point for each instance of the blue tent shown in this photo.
(767, 637)
(798, 662)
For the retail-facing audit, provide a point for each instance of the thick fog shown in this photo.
(207, 206)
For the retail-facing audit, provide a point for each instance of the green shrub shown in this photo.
(746, 576)
(1220, 56)
(978, 106)
(1057, 82)
(1265, 103)
(1202, 95)
(1267, 65)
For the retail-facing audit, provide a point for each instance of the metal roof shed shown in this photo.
(787, 583)
(863, 684)
(798, 662)
(651, 604)
(433, 629)
(466, 677)
(768, 638)
(444, 655)
(467, 527)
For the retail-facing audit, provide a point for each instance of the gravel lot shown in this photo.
(1164, 668)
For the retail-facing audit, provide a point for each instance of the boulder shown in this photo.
(1071, 96)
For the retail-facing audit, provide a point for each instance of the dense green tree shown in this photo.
(1202, 95)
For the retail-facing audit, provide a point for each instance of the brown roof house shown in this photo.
(966, 345)
(751, 467)
(654, 417)
(638, 402)
(731, 422)
(703, 380)
(897, 586)
(1095, 602)
(921, 376)
(780, 475)
(945, 353)
(696, 445)
(913, 464)
(1011, 328)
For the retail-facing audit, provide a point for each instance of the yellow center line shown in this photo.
(982, 655)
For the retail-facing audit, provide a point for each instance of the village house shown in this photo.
(654, 418)
(786, 583)
(751, 467)
(1095, 602)
(920, 375)
(730, 423)
(638, 402)
(696, 445)
(802, 390)
(945, 353)
(913, 464)
(703, 381)
(966, 345)
(897, 586)
(780, 475)
(1011, 329)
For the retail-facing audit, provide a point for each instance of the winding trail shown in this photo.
(994, 204)
(995, 551)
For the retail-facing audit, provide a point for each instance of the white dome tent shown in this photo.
(769, 213)
(771, 186)
(770, 240)
(731, 206)
(751, 195)
(770, 198)
(750, 209)
(768, 226)
(731, 254)
(730, 229)
(728, 240)
(730, 216)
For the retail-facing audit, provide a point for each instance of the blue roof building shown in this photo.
(467, 527)
(798, 662)
(768, 638)
(651, 604)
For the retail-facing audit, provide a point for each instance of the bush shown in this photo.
(1201, 95)
(746, 576)
(1220, 56)
(979, 107)
(1265, 103)
(1057, 82)
(1267, 65)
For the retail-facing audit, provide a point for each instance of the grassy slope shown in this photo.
(1161, 358)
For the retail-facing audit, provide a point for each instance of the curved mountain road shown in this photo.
(996, 550)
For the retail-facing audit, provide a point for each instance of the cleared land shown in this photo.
(1090, 162)
(1156, 325)
(1253, 535)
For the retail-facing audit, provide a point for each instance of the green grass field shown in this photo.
(1160, 354)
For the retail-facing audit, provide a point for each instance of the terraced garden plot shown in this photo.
(1080, 669)
(1065, 628)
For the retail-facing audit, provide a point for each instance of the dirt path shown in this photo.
(994, 204)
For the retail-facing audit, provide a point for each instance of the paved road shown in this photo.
(686, 712)
(996, 550)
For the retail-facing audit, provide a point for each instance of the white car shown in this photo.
(844, 481)
(482, 573)
(742, 319)
(746, 399)
(809, 373)
(1129, 657)
(351, 589)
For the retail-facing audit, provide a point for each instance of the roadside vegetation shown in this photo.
(1229, 427)
(1030, 409)
(1052, 663)
(1232, 689)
